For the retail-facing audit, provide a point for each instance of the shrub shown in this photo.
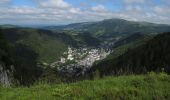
(62, 91)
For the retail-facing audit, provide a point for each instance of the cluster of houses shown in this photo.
(80, 59)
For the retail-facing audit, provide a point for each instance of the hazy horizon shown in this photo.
(45, 25)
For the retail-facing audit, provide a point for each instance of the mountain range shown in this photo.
(111, 27)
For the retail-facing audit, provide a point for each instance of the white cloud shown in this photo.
(162, 10)
(61, 12)
(5, 1)
(75, 10)
(166, 1)
(99, 8)
(134, 9)
(134, 1)
(54, 3)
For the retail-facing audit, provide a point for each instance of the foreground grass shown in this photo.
(141, 87)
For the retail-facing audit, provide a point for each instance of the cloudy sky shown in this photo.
(55, 12)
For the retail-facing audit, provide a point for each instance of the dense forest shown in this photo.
(5, 56)
(151, 56)
(22, 58)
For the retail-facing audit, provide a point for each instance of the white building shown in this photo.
(62, 60)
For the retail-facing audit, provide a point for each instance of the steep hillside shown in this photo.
(123, 45)
(32, 48)
(151, 56)
(4, 50)
(129, 39)
(48, 45)
(18, 63)
(6, 62)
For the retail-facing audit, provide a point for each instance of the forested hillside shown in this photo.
(30, 50)
(151, 56)
(5, 56)
(48, 45)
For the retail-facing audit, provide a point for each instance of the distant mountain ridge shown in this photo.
(8, 26)
(112, 27)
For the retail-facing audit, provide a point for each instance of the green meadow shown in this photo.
(133, 87)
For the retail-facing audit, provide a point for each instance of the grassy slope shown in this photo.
(140, 87)
(48, 48)
(46, 44)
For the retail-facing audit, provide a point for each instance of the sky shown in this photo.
(58, 12)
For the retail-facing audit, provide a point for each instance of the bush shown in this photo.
(62, 91)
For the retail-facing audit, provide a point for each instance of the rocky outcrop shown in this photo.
(6, 75)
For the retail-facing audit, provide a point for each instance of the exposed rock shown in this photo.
(6, 75)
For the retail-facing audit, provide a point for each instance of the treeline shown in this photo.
(151, 56)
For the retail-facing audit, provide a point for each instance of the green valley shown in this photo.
(104, 60)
